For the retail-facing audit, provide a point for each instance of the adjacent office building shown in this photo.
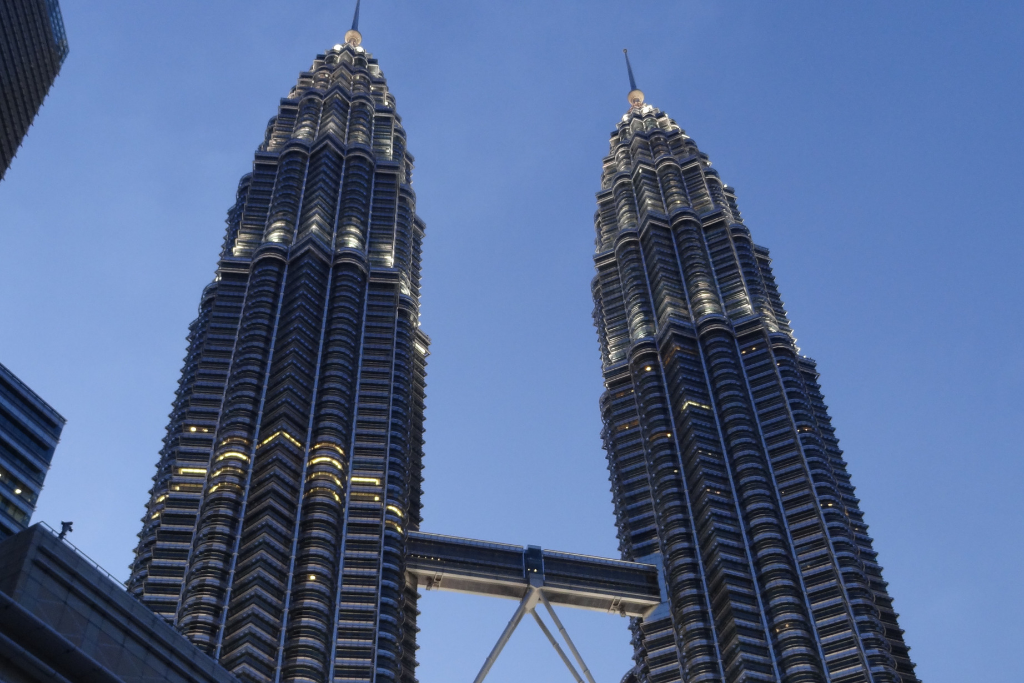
(275, 534)
(725, 468)
(29, 431)
(33, 47)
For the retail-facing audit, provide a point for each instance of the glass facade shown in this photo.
(274, 537)
(725, 469)
(29, 432)
(33, 47)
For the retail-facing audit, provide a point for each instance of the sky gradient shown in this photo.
(875, 148)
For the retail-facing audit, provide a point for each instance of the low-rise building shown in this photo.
(63, 619)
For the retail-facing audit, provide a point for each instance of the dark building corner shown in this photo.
(63, 619)
(33, 47)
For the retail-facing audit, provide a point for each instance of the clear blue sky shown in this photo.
(876, 150)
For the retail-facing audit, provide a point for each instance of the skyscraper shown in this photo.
(290, 474)
(725, 468)
(33, 47)
(29, 432)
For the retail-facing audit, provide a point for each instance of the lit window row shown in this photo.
(326, 460)
(320, 490)
(17, 486)
(232, 454)
(324, 444)
(325, 475)
(628, 425)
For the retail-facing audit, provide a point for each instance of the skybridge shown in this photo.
(533, 576)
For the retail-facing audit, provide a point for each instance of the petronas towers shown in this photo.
(278, 529)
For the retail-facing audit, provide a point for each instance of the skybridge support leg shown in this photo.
(527, 604)
(568, 640)
(554, 644)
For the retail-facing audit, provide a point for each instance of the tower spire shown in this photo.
(635, 96)
(353, 36)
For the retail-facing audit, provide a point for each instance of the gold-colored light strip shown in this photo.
(320, 459)
(233, 454)
(277, 434)
(324, 444)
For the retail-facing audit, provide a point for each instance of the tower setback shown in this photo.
(725, 469)
(274, 537)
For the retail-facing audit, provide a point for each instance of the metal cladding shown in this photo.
(290, 474)
(724, 465)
